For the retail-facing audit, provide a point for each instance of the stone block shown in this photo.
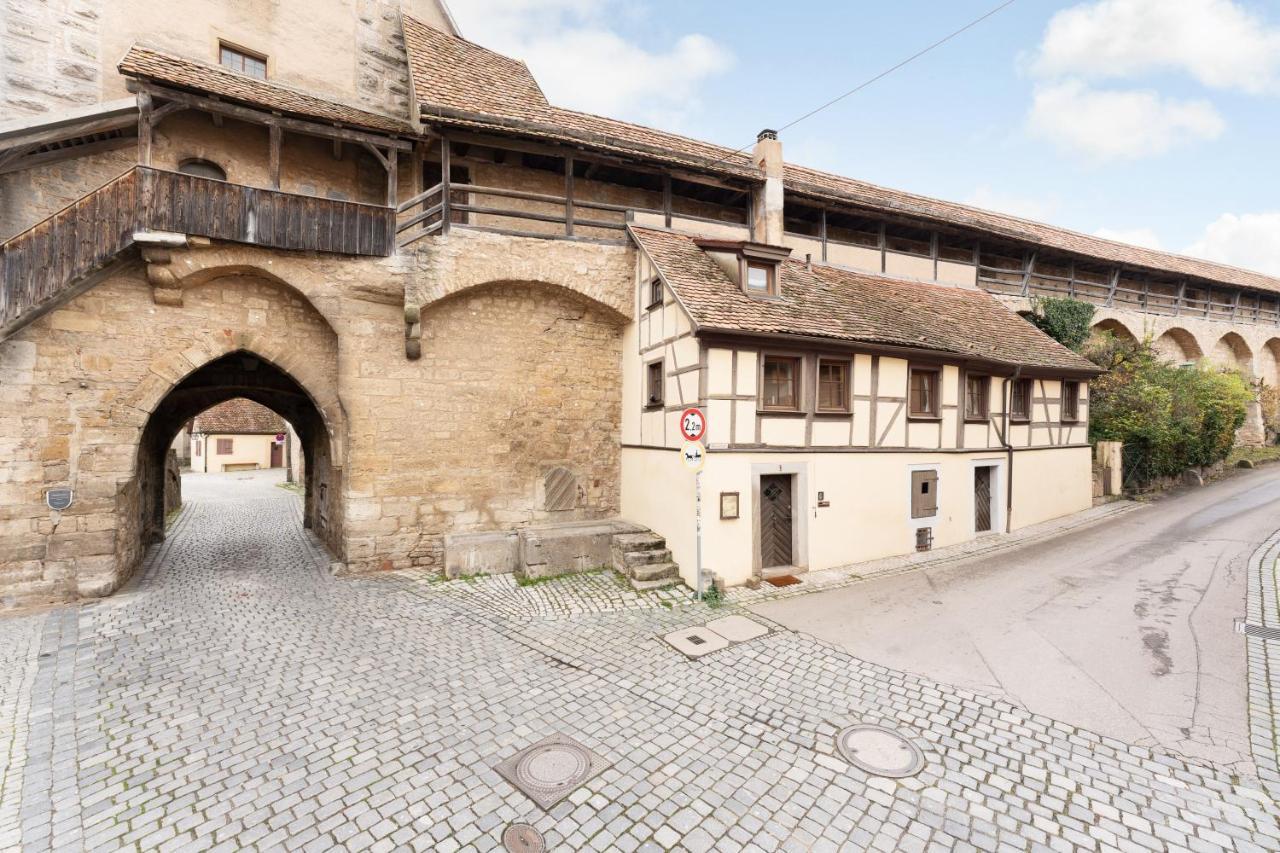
(567, 548)
(491, 553)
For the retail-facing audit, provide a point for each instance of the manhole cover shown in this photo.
(880, 751)
(522, 838)
(550, 769)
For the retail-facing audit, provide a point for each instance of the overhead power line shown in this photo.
(885, 73)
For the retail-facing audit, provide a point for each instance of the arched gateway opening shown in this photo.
(242, 374)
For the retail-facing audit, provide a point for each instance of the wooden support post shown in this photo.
(1181, 298)
(144, 128)
(568, 196)
(337, 149)
(933, 252)
(1027, 267)
(274, 156)
(393, 177)
(445, 213)
(884, 250)
(1115, 282)
(824, 235)
(666, 199)
(1235, 306)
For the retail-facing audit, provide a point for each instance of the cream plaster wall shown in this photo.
(245, 450)
(869, 495)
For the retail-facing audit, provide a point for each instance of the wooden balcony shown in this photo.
(51, 261)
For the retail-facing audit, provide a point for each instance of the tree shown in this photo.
(1065, 320)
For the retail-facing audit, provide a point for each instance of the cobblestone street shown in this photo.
(234, 697)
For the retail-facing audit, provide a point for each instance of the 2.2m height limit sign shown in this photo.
(693, 455)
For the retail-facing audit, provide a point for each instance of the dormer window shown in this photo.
(242, 61)
(754, 267)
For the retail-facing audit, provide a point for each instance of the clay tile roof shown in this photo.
(238, 416)
(150, 64)
(453, 72)
(831, 303)
(823, 184)
(460, 84)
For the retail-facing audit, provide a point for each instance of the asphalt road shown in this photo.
(1124, 627)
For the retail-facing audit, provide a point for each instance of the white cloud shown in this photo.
(1249, 240)
(1145, 237)
(987, 198)
(1219, 43)
(583, 62)
(1118, 125)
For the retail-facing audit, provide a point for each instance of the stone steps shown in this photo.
(645, 560)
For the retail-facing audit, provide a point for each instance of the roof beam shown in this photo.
(256, 116)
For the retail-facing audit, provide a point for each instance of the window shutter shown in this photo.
(924, 494)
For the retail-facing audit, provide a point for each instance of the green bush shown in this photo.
(1170, 418)
(1065, 320)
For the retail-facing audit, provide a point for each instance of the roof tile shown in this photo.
(151, 64)
(238, 416)
(833, 303)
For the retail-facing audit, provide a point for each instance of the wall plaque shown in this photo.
(58, 499)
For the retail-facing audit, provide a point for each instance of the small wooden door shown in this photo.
(775, 520)
(982, 498)
(277, 455)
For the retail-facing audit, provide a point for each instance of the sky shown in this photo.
(1149, 121)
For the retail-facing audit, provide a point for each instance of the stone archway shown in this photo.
(1178, 345)
(1268, 363)
(246, 374)
(1116, 328)
(1232, 351)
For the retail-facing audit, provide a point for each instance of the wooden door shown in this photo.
(982, 498)
(277, 455)
(775, 520)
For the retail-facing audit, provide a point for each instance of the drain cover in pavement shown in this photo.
(550, 769)
(522, 838)
(696, 642)
(737, 629)
(880, 751)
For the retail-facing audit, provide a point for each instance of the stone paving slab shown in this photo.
(236, 697)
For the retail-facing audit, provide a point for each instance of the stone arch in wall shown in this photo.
(1267, 363)
(1115, 327)
(234, 334)
(1178, 345)
(523, 375)
(241, 373)
(1231, 350)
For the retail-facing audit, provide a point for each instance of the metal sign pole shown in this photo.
(697, 493)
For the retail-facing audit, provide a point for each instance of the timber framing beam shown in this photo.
(265, 117)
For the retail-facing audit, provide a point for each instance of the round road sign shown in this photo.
(693, 424)
(693, 455)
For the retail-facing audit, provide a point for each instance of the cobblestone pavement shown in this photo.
(1263, 611)
(235, 697)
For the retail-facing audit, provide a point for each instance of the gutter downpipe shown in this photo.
(1008, 449)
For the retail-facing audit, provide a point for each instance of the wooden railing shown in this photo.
(44, 263)
(486, 208)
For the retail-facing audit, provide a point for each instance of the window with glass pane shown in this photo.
(924, 393)
(1020, 405)
(655, 383)
(1070, 401)
(243, 63)
(757, 278)
(975, 397)
(781, 383)
(833, 386)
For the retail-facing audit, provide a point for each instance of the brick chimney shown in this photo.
(767, 198)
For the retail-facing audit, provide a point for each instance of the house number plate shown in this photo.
(58, 499)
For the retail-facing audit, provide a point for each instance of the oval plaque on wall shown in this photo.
(58, 499)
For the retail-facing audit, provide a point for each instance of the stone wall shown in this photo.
(48, 56)
(29, 196)
(519, 374)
